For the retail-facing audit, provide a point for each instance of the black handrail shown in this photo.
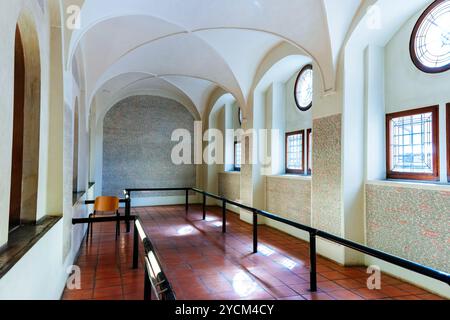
(155, 279)
(407, 264)
(313, 234)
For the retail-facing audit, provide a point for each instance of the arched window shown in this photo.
(430, 40)
(18, 131)
(304, 88)
(26, 126)
(309, 150)
(237, 155)
(75, 148)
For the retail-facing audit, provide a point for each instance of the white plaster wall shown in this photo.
(272, 144)
(438, 287)
(10, 11)
(375, 124)
(393, 84)
(408, 88)
(352, 152)
(380, 78)
(266, 107)
(267, 150)
(278, 124)
(40, 274)
(216, 120)
(296, 119)
(229, 118)
(83, 150)
(401, 93)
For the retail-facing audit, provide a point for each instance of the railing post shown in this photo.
(187, 202)
(147, 286)
(313, 262)
(224, 216)
(127, 210)
(204, 206)
(255, 232)
(135, 247)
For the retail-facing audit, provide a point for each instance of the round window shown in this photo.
(430, 40)
(304, 89)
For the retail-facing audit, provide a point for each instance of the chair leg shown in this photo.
(89, 229)
(92, 226)
(87, 234)
(92, 231)
(117, 226)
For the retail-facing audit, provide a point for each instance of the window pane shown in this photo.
(431, 39)
(412, 143)
(310, 151)
(237, 155)
(294, 152)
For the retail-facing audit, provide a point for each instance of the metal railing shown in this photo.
(313, 234)
(155, 280)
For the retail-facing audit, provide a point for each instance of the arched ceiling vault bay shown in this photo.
(199, 45)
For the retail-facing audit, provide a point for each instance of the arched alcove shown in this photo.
(216, 121)
(26, 124)
(137, 148)
(274, 109)
(76, 128)
(18, 127)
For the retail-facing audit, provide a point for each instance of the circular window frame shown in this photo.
(412, 43)
(303, 109)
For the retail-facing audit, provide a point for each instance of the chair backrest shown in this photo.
(106, 204)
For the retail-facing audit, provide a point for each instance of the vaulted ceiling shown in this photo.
(194, 46)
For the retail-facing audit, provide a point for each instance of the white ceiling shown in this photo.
(197, 45)
(131, 84)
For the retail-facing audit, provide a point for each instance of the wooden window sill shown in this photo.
(21, 240)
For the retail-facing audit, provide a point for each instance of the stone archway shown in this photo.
(26, 124)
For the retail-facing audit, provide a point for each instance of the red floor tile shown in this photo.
(78, 294)
(334, 275)
(344, 295)
(370, 294)
(328, 286)
(317, 296)
(392, 291)
(281, 292)
(201, 263)
(349, 284)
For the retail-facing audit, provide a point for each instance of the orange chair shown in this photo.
(105, 204)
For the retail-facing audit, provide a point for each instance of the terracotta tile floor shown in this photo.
(202, 263)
